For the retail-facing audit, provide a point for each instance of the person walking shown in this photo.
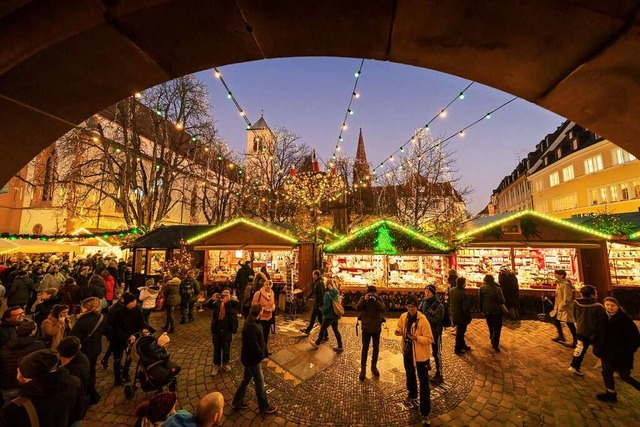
(563, 307)
(371, 309)
(433, 309)
(224, 324)
(415, 344)
(491, 299)
(615, 345)
(148, 295)
(460, 314)
(189, 290)
(110, 286)
(318, 296)
(127, 323)
(508, 281)
(331, 318)
(252, 353)
(590, 315)
(171, 291)
(266, 298)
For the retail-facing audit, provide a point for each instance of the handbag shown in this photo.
(160, 302)
(338, 309)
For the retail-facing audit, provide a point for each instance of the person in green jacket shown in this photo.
(189, 290)
(330, 316)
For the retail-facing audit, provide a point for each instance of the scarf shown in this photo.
(223, 312)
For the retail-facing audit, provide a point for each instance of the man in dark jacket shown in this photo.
(244, 276)
(433, 309)
(55, 394)
(20, 291)
(371, 308)
(11, 318)
(252, 353)
(189, 290)
(23, 344)
(89, 328)
(77, 364)
(590, 315)
(224, 323)
(460, 314)
(318, 295)
(128, 322)
(491, 298)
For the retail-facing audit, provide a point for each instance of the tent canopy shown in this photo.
(26, 246)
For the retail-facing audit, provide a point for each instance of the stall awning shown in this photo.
(388, 238)
(526, 226)
(242, 233)
(169, 236)
(26, 246)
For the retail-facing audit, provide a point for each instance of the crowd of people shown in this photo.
(48, 362)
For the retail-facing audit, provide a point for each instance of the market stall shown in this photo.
(35, 246)
(533, 245)
(395, 259)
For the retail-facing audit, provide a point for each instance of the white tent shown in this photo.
(25, 246)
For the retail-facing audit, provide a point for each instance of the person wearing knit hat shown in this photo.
(433, 309)
(164, 340)
(616, 346)
(157, 409)
(37, 364)
(416, 339)
(371, 308)
(148, 296)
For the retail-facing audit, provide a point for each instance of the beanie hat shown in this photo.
(411, 300)
(25, 329)
(38, 364)
(128, 298)
(163, 340)
(613, 300)
(431, 289)
(452, 272)
(150, 282)
(69, 347)
(371, 289)
(160, 406)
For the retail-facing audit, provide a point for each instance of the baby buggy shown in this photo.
(151, 373)
(547, 307)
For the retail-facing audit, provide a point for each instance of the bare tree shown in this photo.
(267, 171)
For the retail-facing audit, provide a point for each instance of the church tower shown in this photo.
(361, 169)
(260, 142)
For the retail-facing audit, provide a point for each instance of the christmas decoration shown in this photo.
(137, 232)
(179, 265)
(236, 221)
(384, 242)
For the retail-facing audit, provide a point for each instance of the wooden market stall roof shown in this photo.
(242, 233)
(387, 238)
(523, 226)
(169, 236)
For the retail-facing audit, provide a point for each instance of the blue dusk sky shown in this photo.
(309, 96)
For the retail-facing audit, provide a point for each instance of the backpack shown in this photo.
(186, 289)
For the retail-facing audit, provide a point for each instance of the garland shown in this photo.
(47, 237)
(384, 240)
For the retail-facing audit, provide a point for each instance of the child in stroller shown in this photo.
(154, 369)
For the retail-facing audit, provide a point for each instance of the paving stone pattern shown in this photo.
(527, 384)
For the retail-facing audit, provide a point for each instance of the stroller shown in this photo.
(150, 374)
(547, 307)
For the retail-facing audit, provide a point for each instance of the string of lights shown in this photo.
(118, 233)
(349, 112)
(232, 97)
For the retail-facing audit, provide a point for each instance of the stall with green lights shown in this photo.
(388, 255)
(533, 245)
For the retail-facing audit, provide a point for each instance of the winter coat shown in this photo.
(181, 418)
(563, 306)
(10, 354)
(71, 295)
(97, 287)
(590, 315)
(56, 397)
(433, 309)
(451, 280)
(53, 331)
(79, 368)
(20, 291)
(243, 277)
(372, 310)
(460, 306)
(48, 281)
(617, 341)
(490, 299)
(267, 300)
(110, 285)
(196, 289)
(91, 346)
(420, 329)
(148, 296)
(8, 331)
(509, 284)
(327, 304)
(318, 292)
(253, 346)
(230, 321)
(43, 309)
(171, 291)
(83, 283)
(128, 321)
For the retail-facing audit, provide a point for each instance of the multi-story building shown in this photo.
(514, 192)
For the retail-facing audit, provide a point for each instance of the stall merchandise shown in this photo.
(222, 265)
(624, 263)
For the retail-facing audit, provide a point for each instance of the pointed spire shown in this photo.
(361, 170)
(361, 155)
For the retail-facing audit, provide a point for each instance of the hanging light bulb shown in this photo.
(217, 74)
(461, 96)
(242, 113)
(137, 95)
(229, 95)
(118, 150)
(443, 113)
(488, 116)
(350, 112)
(341, 138)
(356, 95)
(344, 126)
(338, 148)
(357, 74)
(179, 126)
(461, 133)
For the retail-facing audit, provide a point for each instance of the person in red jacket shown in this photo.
(110, 283)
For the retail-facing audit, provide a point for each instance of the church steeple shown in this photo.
(361, 169)
(361, 155)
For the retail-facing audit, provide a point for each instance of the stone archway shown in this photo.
(63, 61)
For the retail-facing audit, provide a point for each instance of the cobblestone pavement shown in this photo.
(527, 384)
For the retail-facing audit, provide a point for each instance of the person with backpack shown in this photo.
(189, 290)
(371, 308)
(331, 318)
(433, 309)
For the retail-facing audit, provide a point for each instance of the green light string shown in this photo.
(349, 112)
(106, 234)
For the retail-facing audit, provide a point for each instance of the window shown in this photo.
(593, 197)
(542, 207)
(620, 156)
(593, 164)
(558, 153)
(567, 173)
(613, 190)
(624, 191)
(554, 179)
(604, 197)
(564, 203)
(574, 144)
(636, 189)
(538, 185)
